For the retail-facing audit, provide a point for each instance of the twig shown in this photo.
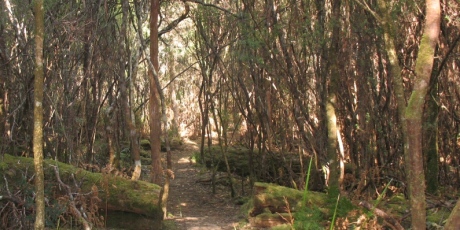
(13, 199)
(291, 220)
(6, 185)
(366, 7)
(215, 6)
(80, 216)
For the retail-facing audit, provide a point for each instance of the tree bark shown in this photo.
(332, 129)
(414, 114)
(154, 101)
(38, 116)
(430, 140)
(124, 86)
(453, 222)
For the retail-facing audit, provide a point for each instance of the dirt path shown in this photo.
(191, 202)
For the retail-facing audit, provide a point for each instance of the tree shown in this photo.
(414, 113)
(331, 103)
(38, 115)
(453, 222)
(154, 100)
(125, 98)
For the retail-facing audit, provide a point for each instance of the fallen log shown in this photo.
(116, 193)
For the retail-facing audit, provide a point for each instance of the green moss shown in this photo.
(437, 215)
(145, 144)
(123, 194)
(3, 164)
(309, 218)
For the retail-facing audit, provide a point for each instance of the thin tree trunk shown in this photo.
(154, 102)
(414, 113)
(172, 95)
(430, 140)
(38, 116)
(331, 103)
(124, 85)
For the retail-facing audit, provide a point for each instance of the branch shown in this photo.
(80, 217)
(446, 57)
(380, 213)
(174, 23)
(13, 199)
(215, 6)
(368, 9)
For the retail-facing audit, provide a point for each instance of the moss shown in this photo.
(145, 144)
(3, 164)
(397, 203)
(437, 215)
(121, 193)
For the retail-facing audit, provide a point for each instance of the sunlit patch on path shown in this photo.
(192, 205)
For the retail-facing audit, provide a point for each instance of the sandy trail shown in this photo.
(192, 204)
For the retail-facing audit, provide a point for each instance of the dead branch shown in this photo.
(176, 22)
(80, 215)
(380, 213)
(13, 199)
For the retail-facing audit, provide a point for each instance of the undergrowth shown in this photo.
(312, 218)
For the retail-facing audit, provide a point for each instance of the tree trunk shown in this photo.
(154, 101)
(453, 222)
(38, 116)
(332, 129)
(430, 140)
(124, 85)
(414, 114)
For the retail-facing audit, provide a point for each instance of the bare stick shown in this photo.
(380, 213)
(75, 211)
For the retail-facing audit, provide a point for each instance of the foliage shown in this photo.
(309, 218)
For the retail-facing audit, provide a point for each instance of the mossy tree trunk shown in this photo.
(38, 116)
(430, 140)
(414, 114)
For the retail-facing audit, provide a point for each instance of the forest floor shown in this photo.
(192, 205)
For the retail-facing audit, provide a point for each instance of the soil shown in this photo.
(192, 205)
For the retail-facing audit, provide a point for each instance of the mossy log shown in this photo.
(116, 193)
(274, 205)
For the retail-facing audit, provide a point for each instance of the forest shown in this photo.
(321, 113)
